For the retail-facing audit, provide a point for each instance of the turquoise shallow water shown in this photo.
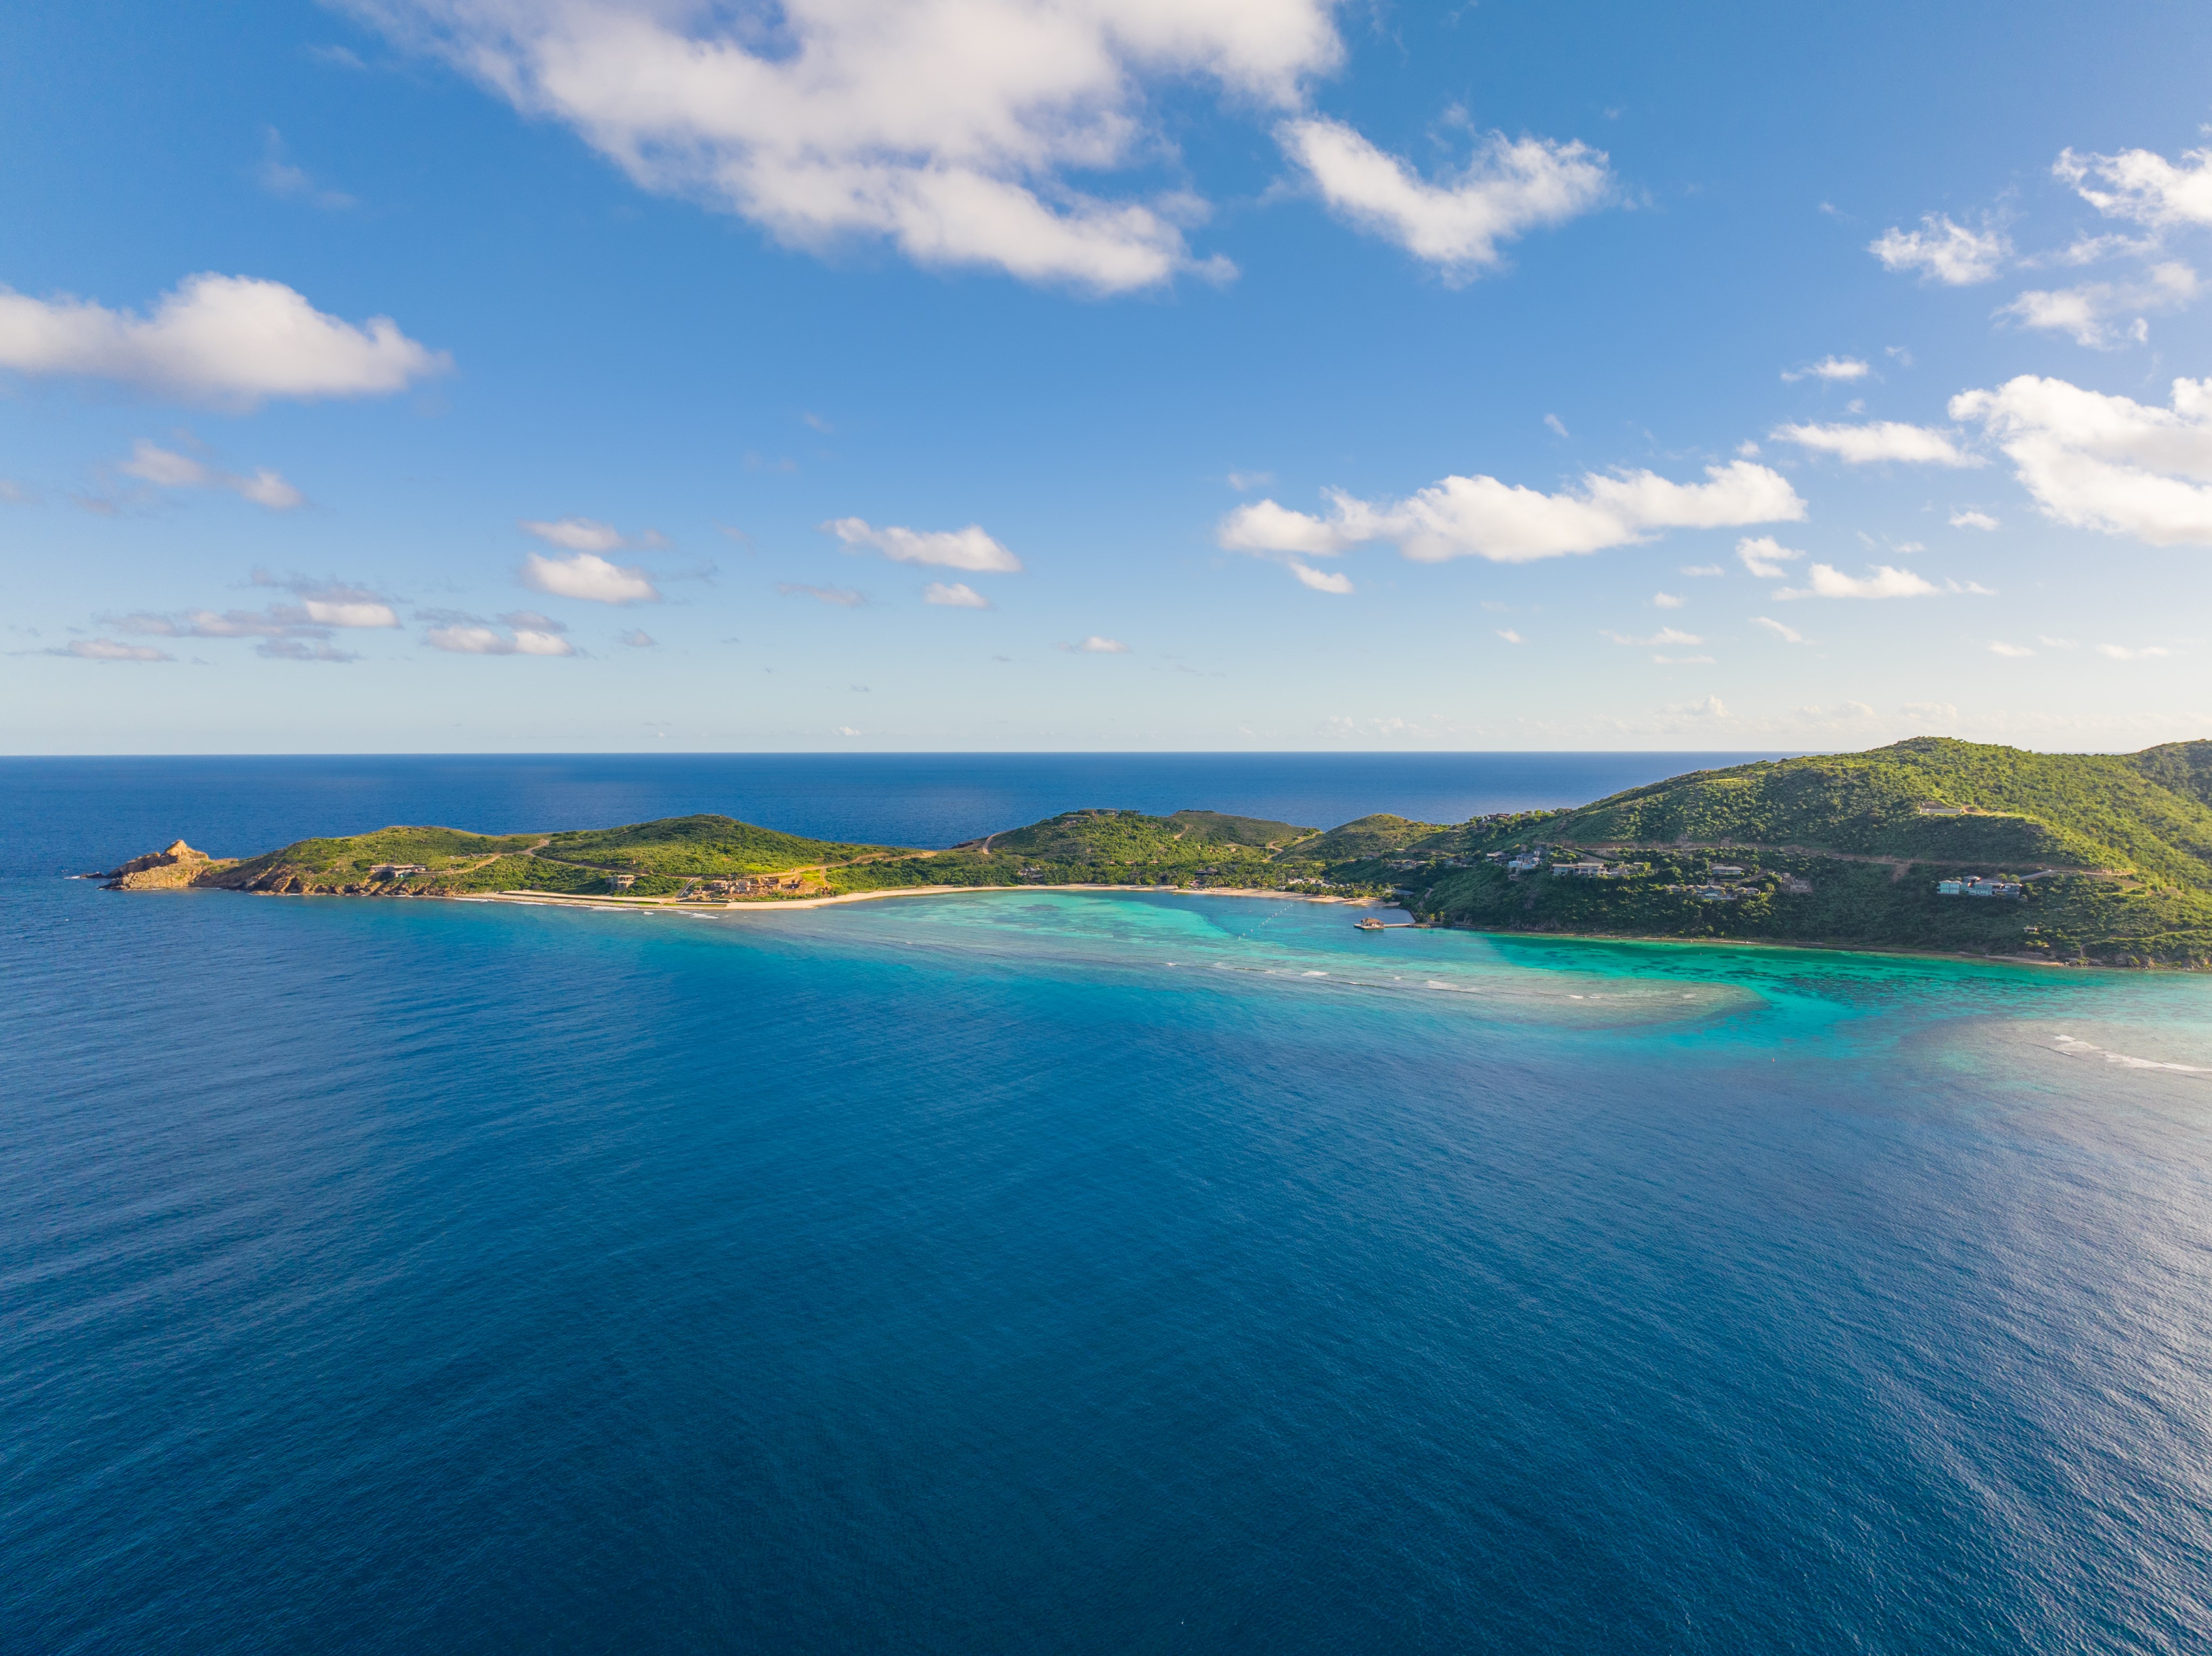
(1067, 1273)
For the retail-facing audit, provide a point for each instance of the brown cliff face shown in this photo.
(171, 869)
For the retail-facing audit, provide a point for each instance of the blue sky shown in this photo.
(463, 375)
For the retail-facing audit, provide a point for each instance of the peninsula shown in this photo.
(1927, 845)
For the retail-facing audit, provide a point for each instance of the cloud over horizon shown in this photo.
(1827, 581)
(951, 128)
(231, 341)
(108, 649)
(2090, 460)
(587, 576)
(967, 548)
(1481, 517)
(467, 639)
(1879, 440)
(1944, 252)
(166, 469)
(1508, 187)
(954, 595)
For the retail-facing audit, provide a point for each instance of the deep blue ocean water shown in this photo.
(1054, 1272)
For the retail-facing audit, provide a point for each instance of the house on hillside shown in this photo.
(1931, 808)
(397, 870)
(1977, 885)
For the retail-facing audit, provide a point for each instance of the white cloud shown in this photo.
(638, 638)
(957, 548)
(953, 128)
(2094, 249)
(1967, 518)
(1509, 186)
(1879, 440)
(280, 177)
(1830, 368)
(2059, 643)
(1949, 252)
(575, 534)
(166, 469)
(1764, 555)
(2093, 461)
(1787, 634)
(1511, 636)
(1667, 601)
(1558, 425)
(473, 640)
(108, 649)
(2141, 185)
(322, 607)
(588, 576)
(1241, 480)
(1664, 635)
(840, 597)
(1828, 582)
(1321, 580)
(299, 649)
(1507, 523)
(1701, 569)
(1999, 648)
(2122, 653)
(2104, 315)
(349, 612)
(231, 340)
(955, 595)
(1095, 646)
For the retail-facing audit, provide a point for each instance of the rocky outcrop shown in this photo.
(171, 869)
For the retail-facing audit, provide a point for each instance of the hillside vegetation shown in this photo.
(645, 859)
(2105, 856)
(2116, 849)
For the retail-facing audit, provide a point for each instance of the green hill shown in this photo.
(1130, 838)
(645, 859)
(1367, 836)
(2118, 850)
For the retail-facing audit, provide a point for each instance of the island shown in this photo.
(1929, 845)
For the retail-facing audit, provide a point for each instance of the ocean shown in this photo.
(1048, 1271)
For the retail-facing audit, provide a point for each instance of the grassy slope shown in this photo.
(1108, 847)
(2079, 810)
(2067, 918)
(714, 846)
(1368, 836)
(663, 854)
(2066, 811)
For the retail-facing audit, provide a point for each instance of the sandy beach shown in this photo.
(665, 904)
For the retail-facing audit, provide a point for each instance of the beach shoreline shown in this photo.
(662, 905)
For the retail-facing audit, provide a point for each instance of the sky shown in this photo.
(637, 375)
